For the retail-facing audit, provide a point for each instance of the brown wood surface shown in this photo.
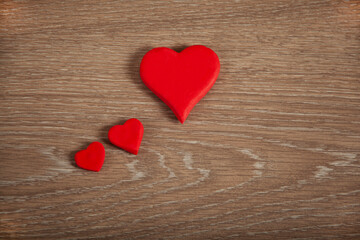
(271, 152)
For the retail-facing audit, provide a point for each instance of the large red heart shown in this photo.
(91, 158)
(127, 136)
(180, 79)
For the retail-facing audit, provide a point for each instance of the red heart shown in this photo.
(127, 136)
(180, 79)
(91, 158)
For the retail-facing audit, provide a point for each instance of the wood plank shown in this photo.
(271, 152)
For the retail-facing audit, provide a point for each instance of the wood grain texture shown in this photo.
(271, 152)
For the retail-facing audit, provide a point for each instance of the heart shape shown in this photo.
(127, 136)
(92, 158)
(182, 79)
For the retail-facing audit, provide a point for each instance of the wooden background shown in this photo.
(271, 152)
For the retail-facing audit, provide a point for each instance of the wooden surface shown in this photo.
(271, 152)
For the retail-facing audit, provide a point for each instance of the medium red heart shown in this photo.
(91, 158)
(127, 136)
(180, 79)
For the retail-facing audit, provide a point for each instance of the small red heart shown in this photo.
(127, 136)
(180, 79)
(91, 158)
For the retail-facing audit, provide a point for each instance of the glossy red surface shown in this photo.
(127, 136)
(91, 158)
(180, 79)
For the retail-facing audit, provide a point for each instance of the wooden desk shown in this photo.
(271, 152)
